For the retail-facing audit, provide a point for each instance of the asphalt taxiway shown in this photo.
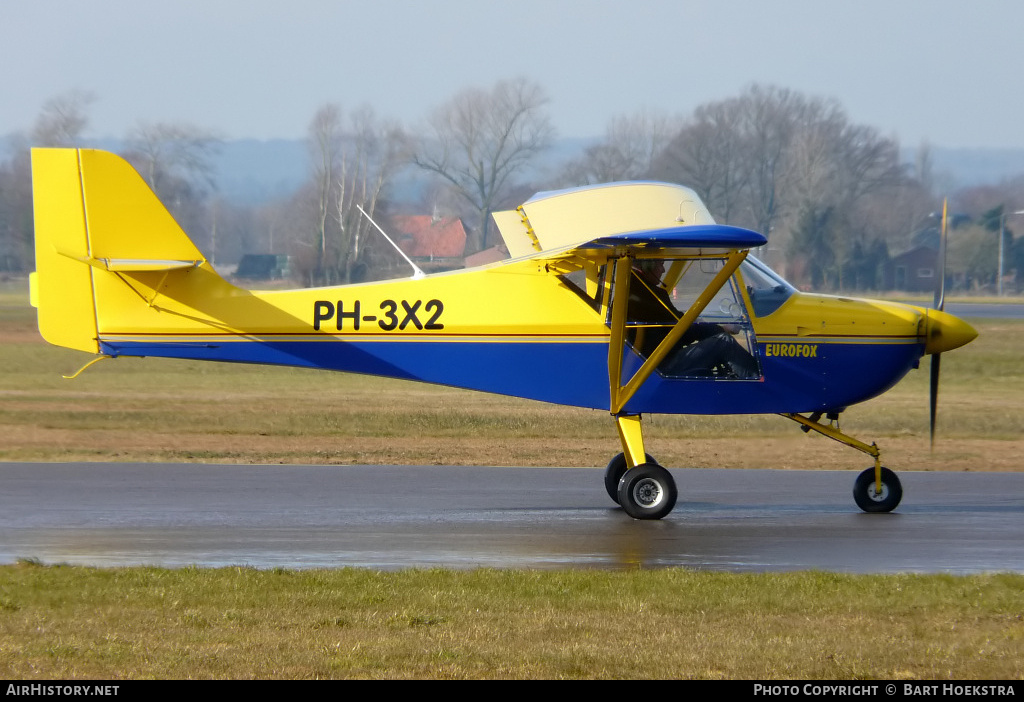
(392, 517)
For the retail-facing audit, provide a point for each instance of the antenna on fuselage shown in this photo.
(418, 273)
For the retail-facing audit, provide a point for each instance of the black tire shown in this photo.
(870, 501)
(613, 474)
(647, 492)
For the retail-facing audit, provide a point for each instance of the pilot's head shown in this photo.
(652, 269)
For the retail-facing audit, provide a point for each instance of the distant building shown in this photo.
(426, 239)
(262, 267)
(491, 255)
(915, 270)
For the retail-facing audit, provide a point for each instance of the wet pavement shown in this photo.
(392, 517)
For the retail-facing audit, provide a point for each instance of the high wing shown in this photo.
(565, 219)
(634, 214)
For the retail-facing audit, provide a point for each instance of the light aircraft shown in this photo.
(624, 297)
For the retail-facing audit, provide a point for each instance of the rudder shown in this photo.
(94, 216)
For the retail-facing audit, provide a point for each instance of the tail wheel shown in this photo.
(613, 474)
(647, 492)
(870, 499)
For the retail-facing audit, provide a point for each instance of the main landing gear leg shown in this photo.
(877, 489)
(634, 479)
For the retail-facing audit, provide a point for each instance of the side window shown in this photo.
(766, 290)
(588, 283)
(719, 344)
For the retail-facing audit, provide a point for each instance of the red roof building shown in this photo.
(491, 255)
(426, 237)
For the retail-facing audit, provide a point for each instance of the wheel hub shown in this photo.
(876, 496)
(648, 492)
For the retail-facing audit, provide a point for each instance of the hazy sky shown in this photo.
(937, 70)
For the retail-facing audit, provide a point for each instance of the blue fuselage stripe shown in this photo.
(796, 378)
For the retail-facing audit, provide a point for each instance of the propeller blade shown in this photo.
(940, 287)
(933, 395)
(940, 303)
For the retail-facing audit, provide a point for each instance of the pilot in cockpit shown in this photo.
(705, 350)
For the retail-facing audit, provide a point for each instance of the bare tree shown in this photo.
(353, 161)
(771, 116)
(62, 119)
(376, 150)
(176, 160)
(480, 139)
(17, 251)
(833, 167)
(792, 167)
(710, 154)
(924, 167)
(627, 150)
(736, 154)
(165, 151)
(60, 123)
(325, 151)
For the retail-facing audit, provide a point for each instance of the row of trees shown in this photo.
(176, 161)
(777, 161)
(833, 197)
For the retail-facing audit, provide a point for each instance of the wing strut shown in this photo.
(621, 394)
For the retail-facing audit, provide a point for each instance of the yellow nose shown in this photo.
(944, 332)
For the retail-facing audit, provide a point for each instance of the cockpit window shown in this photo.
(765, 288)
(719, 344)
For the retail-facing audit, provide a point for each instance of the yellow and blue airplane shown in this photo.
(625, 297)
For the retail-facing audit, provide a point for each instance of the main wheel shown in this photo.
(613, 474)
(869, 499)
(647, 492)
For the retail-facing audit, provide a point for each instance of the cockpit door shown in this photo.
(718, 345)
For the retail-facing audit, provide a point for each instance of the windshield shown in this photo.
(718, 344)
(766, 289)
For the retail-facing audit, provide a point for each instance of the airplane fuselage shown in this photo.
(517, 329)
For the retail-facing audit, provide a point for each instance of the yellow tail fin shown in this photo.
(94, 216)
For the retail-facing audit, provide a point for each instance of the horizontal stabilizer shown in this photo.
(135, 265)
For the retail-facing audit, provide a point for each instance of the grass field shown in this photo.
(63, 622)
(242, 623)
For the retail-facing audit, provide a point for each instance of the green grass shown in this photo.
(241, 623)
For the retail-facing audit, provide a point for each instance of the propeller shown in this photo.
(939, 303)
(933, 395)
